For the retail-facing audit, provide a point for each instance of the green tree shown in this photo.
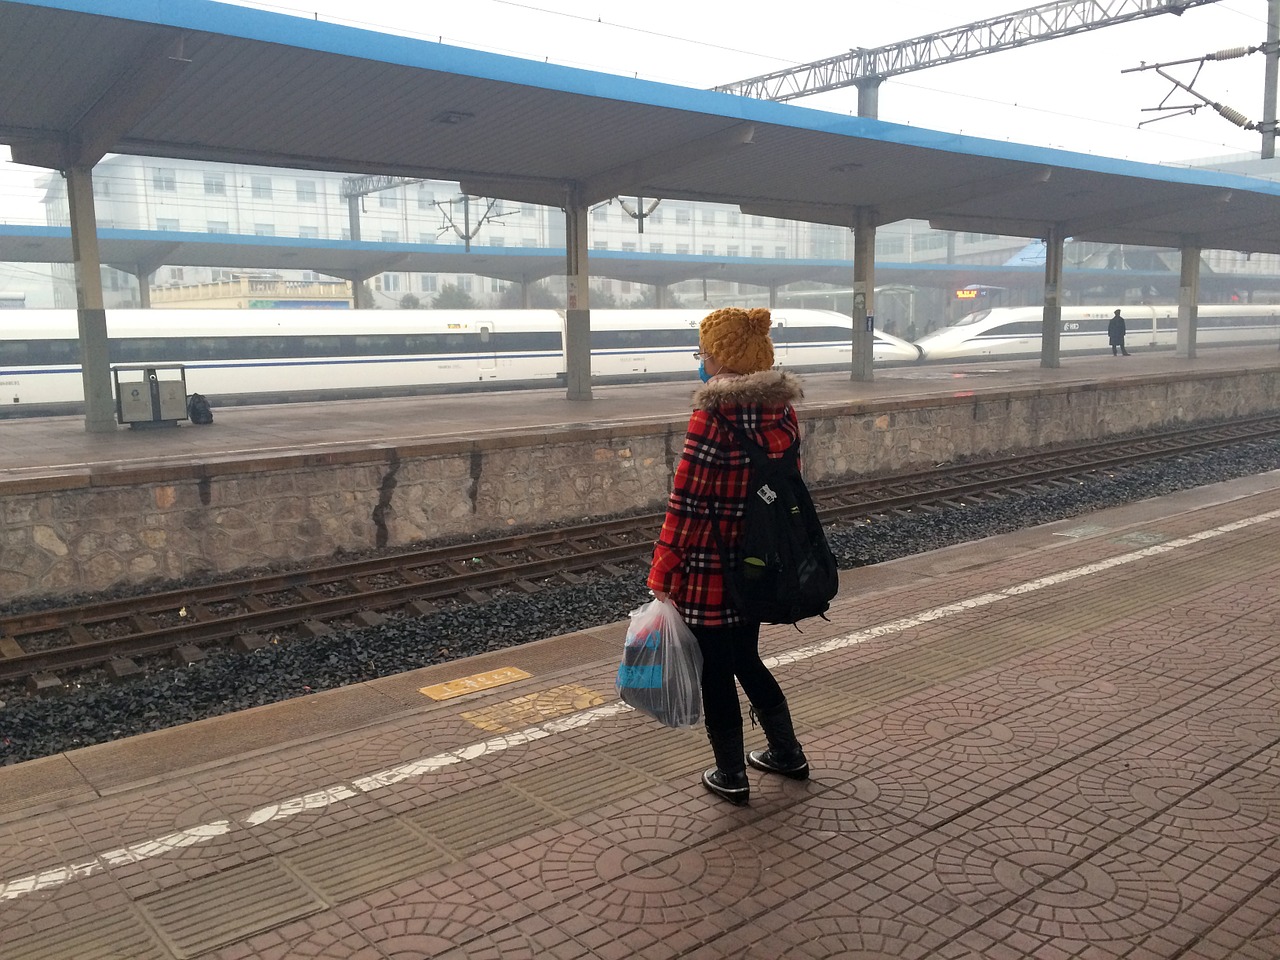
(410, 302)
(453, 297)
(539, 297)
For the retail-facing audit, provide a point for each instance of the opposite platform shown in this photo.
(53, 445)
(1059, 743)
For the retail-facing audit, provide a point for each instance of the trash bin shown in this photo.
(151, 396)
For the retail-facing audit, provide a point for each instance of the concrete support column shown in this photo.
(773, 296)
(661, 295)
(869, 96)
(143, 277)
(361, 295)
(864, 294)
(95, 362)
(577, 315)
(1051, 326)
(1188, 302)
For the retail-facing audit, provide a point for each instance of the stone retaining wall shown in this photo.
(96, 530)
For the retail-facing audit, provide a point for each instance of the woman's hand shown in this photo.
(661, 596)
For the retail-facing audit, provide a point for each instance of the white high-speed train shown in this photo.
(1015, 331)
(262, 356)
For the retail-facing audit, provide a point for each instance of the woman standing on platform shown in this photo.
(710, 487)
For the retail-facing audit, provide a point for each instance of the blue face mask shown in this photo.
(702, 371)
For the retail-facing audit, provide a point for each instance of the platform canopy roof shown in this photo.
(142, 251)
(202, 80)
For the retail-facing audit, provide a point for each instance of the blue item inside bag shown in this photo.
(661, 669)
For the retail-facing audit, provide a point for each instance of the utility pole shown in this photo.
(1272, 77)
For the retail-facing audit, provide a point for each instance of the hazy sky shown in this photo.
(1066, 93)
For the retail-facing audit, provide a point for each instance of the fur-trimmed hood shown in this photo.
(768, 388)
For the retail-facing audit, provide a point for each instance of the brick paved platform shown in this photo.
(1060, 743)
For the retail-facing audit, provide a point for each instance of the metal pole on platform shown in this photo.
(95, 359)
(864, 294)
(1051, 325)
(577, 314)
(1188, 301)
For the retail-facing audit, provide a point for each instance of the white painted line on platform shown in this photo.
(413, 769)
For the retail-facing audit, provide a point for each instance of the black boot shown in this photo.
(784, 755)
(728, 778)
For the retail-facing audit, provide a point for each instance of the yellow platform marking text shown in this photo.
(477, 681)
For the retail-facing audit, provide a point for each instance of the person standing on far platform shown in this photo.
(1115, 334)
(710, 487)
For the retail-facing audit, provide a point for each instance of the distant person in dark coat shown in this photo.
(1115, 334)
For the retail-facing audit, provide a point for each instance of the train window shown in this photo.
(374, 345)
(793, 334)
(969, 318)
(1023, 328)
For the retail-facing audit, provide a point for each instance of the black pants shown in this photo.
(730, 653)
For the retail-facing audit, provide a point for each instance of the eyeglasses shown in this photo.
(699, 355)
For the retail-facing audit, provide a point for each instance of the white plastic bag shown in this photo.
(661, 669)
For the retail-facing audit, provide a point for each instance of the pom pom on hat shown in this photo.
(738, 338)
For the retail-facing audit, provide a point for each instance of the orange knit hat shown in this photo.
(738, 338)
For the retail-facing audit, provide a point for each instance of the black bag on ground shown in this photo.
(198, 409)
(785, 571)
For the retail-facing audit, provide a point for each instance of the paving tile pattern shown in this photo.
(1089, 769)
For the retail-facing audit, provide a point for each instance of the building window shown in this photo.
(388, 200)
(655, 215)
(709, 251)
(682, 215)
(264, 229)
(390, 236)
(427, 282)
(101, 188)
(464, 283)
(218, 226)
(426, 198)
(261, 187)
(495, 285)
(600, 213)
(497, 241)
(757, 251)
(175, 274)
(308, 233)
(708, 218)
(599, 245)
(780, 253)
(628, 248)
(164, 179)
(655, 248)
(682, 249)
(757, 221)
(306, 191)
(215, 185)
(734, 217)
(166, 223)
(391, 282)
(732, 252)
(527, 210)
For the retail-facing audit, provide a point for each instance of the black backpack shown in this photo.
(786, 571)
(198, 409)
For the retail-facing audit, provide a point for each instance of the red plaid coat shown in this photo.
(711, 482)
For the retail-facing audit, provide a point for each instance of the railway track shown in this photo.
(296, 605)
